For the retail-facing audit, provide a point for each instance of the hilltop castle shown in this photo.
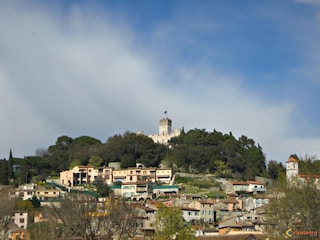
(165, 132)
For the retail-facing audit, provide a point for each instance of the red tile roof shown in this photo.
(308, 176)
(291, 159)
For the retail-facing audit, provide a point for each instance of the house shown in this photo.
(190, 214)
(164, 175)
(255, 201)
(140, 190)
(207, 212)
(17, 233)
(238, 225)
(248, 186)
(227, 208)
(148, 223)
(20, 219)
(134, 174)
(256, 186)
(165, 189)
(240, 186)
(24, 192)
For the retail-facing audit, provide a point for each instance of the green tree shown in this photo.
(85, 141)
(23, 172)
(102, 189)
(170, 224)
(74, 163)
(197, 151)
(309, 165)
(95, 161)
(273, 169)
(35, 202)
(25, 205)
(221, 168)
(132, 148)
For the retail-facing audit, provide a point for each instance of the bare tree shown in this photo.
(42, 152)
(296, 206)
(7, 209)
(82, 216)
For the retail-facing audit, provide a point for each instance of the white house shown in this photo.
(190, 214)
(256, 186)
(21, 219)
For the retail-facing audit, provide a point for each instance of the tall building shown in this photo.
(292, 168)
(165, 132)
(165, 126)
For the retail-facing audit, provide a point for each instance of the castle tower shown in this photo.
(292, 168)
(165, 126)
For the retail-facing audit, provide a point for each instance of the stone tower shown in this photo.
(165, 126)
(292, 168)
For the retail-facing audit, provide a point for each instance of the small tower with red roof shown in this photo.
(292, 168)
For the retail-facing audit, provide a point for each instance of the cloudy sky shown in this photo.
(101, 68)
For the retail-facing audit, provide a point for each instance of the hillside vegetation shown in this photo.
(196, 151)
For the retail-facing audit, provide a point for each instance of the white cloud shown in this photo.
(87, 75)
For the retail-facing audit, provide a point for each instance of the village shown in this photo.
(240, 211)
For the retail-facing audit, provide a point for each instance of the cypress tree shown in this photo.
(10, 167)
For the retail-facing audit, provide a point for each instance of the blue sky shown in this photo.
(100, 68)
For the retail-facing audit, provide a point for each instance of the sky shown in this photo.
(100, 68)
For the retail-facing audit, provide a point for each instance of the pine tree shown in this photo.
(10, 167)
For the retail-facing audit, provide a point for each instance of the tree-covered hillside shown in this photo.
(195, 151)
(200, 151)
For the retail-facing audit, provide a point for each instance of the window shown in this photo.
(21, 220)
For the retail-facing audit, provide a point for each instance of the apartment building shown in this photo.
(85, 174)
